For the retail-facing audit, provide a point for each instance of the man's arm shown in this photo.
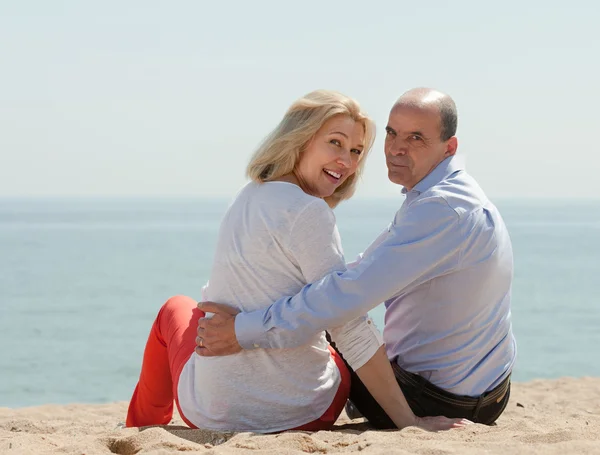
(427, 242)
(374, 244)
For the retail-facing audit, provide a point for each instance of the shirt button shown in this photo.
(256, 345)
(369, 321)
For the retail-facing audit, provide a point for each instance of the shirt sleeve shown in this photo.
(315, 244)
(380, 238)
(426, 241)
(357, 340)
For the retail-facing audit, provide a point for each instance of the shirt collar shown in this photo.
(443, 170)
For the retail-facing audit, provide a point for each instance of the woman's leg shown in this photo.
(170, 344)
(326, 421)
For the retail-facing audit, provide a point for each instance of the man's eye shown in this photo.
(414, 137)
(390, 133)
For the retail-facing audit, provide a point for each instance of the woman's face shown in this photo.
(332, 155)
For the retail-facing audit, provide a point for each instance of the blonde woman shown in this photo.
(278, 235)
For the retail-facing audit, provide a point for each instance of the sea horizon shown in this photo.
(81, 279)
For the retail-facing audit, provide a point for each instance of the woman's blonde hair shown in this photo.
(280, 151)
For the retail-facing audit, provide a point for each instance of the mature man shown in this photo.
(443, 267)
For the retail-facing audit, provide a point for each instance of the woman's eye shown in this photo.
(357, 151)
(335, 142)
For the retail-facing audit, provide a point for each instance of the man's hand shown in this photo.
(440, 423)
(216, 336)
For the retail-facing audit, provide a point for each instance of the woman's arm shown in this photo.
(379, 379)
(361, 344)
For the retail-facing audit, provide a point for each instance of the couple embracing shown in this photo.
(288, 343)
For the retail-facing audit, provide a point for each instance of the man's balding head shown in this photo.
(420, 134)
(428, 98)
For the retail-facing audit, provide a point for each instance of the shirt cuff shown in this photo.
(250, 331)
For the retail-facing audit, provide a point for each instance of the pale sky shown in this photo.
(171, 98)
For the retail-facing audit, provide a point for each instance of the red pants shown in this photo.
(171, 343)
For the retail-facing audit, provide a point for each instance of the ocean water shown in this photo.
(81, 281)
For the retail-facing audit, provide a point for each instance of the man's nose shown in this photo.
(398, 147)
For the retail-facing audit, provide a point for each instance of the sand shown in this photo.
(543, 417)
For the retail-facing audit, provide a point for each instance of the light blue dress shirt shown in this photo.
(444, 268)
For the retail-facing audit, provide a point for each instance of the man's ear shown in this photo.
(451, 147)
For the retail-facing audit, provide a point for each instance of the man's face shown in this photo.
(413, 145)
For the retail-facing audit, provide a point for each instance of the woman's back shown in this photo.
(266, 250)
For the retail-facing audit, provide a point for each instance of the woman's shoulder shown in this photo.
(285, 196)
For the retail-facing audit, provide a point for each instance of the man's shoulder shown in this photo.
(460, 194)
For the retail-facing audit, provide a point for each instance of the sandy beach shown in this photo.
(543, 417)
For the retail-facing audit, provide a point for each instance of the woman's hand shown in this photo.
(440, 423)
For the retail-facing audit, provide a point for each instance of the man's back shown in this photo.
(453, 326)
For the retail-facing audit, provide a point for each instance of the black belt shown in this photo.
(411, 379)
